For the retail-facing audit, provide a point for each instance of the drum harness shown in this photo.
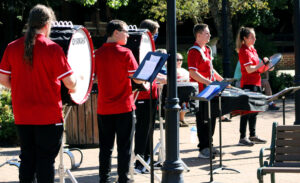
(206, 59)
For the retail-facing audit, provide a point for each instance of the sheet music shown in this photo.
(148, 67)
(209, 90)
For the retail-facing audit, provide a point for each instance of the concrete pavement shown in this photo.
(241, 158)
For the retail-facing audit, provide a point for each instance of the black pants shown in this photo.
(251, 118)
(203, 125)
(142, 127)
(39, 146)
(110, 125)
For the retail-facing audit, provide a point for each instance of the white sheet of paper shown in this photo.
(149, 67)
(210, 91)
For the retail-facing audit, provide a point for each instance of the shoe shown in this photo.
(183, 124)
(273, 107)
(139, 169)
(257, 140)
(245, 142)
(226, 119)
(204, 154)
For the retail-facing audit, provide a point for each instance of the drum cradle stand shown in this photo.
(61, 169)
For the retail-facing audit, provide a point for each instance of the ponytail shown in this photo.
(39, 16)
(243, 32)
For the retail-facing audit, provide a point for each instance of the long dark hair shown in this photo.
(39, 16)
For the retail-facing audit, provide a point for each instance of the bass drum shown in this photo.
(79, 50)
(140, 42)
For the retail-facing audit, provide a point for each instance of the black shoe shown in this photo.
(257, 140)
(273, 107)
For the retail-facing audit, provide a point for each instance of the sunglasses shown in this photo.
(179, 60)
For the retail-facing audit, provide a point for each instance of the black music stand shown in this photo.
(282, 95)
(206, 95)
(147, 71)
(221, 167)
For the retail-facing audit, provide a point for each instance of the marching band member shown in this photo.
(251, 69)
(114, 65)
(33, 66)
(201, 70)
(142, 131)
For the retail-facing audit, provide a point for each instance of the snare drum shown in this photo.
(140, 42)
(78, 47)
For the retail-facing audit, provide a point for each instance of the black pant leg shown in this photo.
(27, 156)
(48, 142)
(124, 130)
(106, 126)
(252, 124)
(142, 126)
(243, 125)
(203, 125)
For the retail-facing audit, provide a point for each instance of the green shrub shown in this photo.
(280, 82)
(8, 134)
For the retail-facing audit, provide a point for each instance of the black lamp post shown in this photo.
(172, 167)
(297, 58)
(226, 60)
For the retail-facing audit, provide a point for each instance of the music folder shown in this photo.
(150, 66)
(283, 92)
(211, 91)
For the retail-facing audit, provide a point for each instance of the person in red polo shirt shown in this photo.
(33, 67)
(114, 65)
(201, 70)
(251, 68)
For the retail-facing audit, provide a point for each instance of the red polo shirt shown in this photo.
(248, 56)
(36, 97)
(197, 63)
(114, 64)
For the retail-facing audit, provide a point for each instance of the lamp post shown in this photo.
(172, 167)
(226, 60)
(297, 59)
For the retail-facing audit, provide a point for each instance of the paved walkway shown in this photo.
(244, 159)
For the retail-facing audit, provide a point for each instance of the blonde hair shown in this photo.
(243, 32)
(39, 16)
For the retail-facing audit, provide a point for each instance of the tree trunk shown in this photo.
(217, 17)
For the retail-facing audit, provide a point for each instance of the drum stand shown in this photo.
(61, 169)
(221, 167)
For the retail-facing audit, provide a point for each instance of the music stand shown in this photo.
(147, 71)
(221, 167)
(206, 95)
(282, 95)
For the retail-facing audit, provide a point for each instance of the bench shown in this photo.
(284, 152)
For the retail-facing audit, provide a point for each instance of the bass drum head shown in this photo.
(140, 42)
(81, 59)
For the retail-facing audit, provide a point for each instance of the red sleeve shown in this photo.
(62, 68)
(5, 67)
(193, 59)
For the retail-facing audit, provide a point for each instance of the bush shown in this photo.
(280, 82)
(8, 134)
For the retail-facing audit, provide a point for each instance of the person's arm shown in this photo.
(198, 77)
(5, 80)
(137, 81)
(70, 82)
(218, 76)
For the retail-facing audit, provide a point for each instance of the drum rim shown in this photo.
(92, 65)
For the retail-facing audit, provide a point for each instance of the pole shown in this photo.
(172, 168)
(297, 59)
(226, 60)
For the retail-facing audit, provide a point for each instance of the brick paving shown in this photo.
(241, 158)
